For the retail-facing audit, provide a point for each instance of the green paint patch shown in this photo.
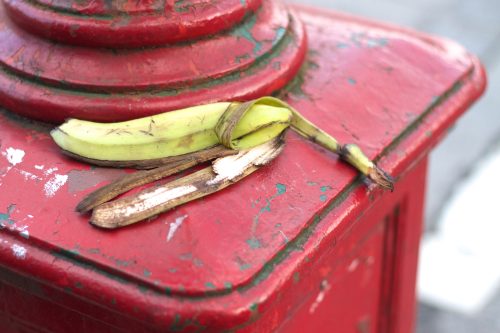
(209, 285)
(296, 85)
(245, 31)
(228, 285)
(123, 263)
(238, 59)
(254, 307)
(245, 266)
(180, 6)
(296, 277)
(323, 198)
(377, 42)
(78, 285)
(143, 289)
(75, 251)
(325, 188)
(254, 243)
(280, 33)
(113, 301)
(5, 217)
(280, 190)
(310, 183)
(351, 81)
(188, 324)
(146, 272)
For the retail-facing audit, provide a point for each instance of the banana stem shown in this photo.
(350, 153)
(309, 131)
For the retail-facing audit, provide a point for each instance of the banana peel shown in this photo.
(226, 133)
(223, 172)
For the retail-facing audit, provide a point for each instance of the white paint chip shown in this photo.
(14, 156)
(25, 234)
(38, 167)
(325, 287)
(174, 226)
(54, 184)
(28, 175)
(50, 171)
(19, 251)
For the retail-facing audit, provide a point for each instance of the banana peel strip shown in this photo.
(139, 178)
(150, 202)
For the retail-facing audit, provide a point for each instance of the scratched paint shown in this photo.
(19, 251)
(54, 184)
(324, 288)
(14, 156)
(5, 217)
(174, 226)
(280, 190)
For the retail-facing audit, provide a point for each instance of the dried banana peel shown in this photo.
(176, 140)
(153, 201)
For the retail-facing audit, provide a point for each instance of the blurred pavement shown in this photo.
(456, 180)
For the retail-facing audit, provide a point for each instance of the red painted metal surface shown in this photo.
(52, 81)
(301, 245)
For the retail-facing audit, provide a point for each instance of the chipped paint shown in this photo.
(6, 216)
(23, 231)
(30, 176)
(325, 188)
(54, 184)
(174, 226)
(25, 234)
(280, 190)
(324, 288)
(50, 171)
(19, 251)
(254, 243)
(14, 156)
(285, 238)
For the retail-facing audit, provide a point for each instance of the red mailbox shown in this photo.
(302, 245)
